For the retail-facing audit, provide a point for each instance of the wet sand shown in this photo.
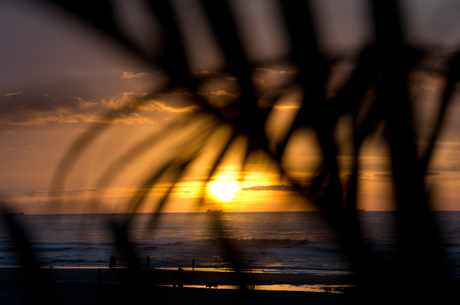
(164, 277)
(122, 286)
(13, 293)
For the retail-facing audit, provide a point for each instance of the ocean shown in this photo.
(289, 242)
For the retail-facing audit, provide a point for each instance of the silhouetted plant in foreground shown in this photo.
(380, 78)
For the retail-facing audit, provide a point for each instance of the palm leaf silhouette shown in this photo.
(380, 77)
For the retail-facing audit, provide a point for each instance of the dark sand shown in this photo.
(122, 286)
(13, 293)
(164, 277)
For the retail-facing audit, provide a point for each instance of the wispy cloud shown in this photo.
(280, 187)
(223, 92)
(30, 110)
(13, 93)
(276, 72)
(167, 108)
(390, 175)
(154, 105)
(132, 74)
(382, 176)
(33, 109)
(117, 102)
(33, 193)
(55, 193)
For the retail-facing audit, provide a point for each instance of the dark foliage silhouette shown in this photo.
(382, 73)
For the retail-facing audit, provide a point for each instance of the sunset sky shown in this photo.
(58, 77)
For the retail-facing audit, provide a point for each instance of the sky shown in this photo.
(58, 78)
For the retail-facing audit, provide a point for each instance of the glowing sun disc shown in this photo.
(224, 190)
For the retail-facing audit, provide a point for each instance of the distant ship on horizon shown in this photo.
(214, 211)
(357, 210)
(16, 213)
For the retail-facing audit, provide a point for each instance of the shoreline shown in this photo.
(192, 279)
(285, 272)
(15, 293)
(127, 286)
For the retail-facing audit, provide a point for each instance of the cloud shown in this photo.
(39, 109)
(56, 193)
(167, 108)
(13, 93)
(276, 72)
(88, 105)
(220, 98)
(33, 193)
(151, 110)
(204, 72)
(152, 103)
(390, 175)
(132, 119)
(131, 74)
(281, 188)
(69, 206)
(386, 175)
(117, 102)
(223, 92)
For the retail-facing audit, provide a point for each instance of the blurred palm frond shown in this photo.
(379, 79)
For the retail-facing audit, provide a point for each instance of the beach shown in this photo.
(121, 286)
(291, 263)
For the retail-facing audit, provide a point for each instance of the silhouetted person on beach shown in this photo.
(180, 277)
(174, 278)
(148, 262)
(113, 262)
(252, 281)
(193, 265)
(99, 276)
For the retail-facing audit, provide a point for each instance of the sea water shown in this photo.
(289, 242)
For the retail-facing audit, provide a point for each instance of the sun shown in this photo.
(224, 190)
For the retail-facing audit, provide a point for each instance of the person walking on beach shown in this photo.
(180, 277)
(148, 262)
(174, 278)
(252, 281)
(193, 265)
(113, 262)
(99, 276)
